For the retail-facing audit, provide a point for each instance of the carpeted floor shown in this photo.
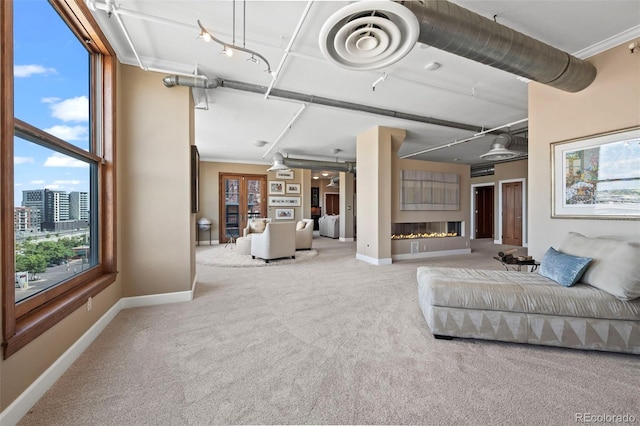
(329, 341)
(226, 256)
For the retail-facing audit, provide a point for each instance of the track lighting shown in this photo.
(228, 48)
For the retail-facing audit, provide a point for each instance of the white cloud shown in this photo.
(22, 160)
(66, 182)
(29, 70)
(61, 161)
(50, 100)
(72, 109)
(37, 182)
(17, 184)
(69, 133)
(52, 186)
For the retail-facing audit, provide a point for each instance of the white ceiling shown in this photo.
(164, 34)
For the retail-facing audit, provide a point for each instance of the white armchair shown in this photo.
(255, 226)
(304, 234)
(330, 226)
(277, 241)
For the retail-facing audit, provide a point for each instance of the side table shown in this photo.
(518, 264)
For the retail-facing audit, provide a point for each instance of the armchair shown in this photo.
(304, 234)
(277, 241)
(255, 226)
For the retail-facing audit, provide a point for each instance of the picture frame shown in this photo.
(285, 214)
(293, 188)
(195, 179)
(284, 174)
(284, 201)
(276, 187)
(597, 177)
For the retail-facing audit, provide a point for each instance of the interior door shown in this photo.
(241, 197)
(333, 203)
(484, 212)
(512, 213)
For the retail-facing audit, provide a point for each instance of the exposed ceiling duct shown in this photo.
(279, 162)
(452, 28)
(177, 80)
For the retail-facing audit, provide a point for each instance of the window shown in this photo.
(57, 158)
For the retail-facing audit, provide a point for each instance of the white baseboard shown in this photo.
(427, 254)
(373, 260)
(23, 403)
(202, 242)
(497, 241)
(346, 240)
(156, 299)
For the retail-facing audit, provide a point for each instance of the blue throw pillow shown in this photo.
(563, 268)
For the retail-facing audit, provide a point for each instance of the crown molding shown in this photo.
(606, 44)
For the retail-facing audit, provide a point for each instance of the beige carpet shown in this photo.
(226, 256)
(330, 341)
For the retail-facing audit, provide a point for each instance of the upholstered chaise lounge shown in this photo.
(600, 312)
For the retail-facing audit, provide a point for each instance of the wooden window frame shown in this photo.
(23, 322)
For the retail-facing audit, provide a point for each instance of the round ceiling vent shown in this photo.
(369, 35)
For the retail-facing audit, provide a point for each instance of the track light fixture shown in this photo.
(229, 48)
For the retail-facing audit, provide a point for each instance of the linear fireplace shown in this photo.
(413, 230)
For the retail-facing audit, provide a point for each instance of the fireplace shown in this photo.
(413, 230)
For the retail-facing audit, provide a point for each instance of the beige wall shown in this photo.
(154, 181)
(155, 223)
(504, 171)
(210, 184)
(611, 102)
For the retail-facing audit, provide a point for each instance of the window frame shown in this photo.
(23, 322)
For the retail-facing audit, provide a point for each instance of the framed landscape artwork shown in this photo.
(276, 187)
(282, 214)
(597, 177)
(293, 188)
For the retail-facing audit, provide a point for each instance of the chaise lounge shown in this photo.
(601, 311)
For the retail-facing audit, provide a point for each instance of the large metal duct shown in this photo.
(452, 28)
(329, 166)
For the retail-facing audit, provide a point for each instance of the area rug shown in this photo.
(228, 257)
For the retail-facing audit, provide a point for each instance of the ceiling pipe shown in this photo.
(452, 28)
(275, 75)
(329, 166)
(171, 81)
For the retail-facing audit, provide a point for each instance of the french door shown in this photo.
(242, 197)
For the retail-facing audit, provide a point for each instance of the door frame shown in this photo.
(473, 207)
(525, 239)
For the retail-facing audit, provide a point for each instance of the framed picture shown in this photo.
(284, 201)
(597, 177)
(276, 187)
(293, 188)
(282, 214)
(195, 179)
(282, 174)
(315, 196)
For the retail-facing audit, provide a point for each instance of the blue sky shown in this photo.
(51, 92)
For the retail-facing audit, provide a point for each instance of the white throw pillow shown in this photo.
(615, 267)
(300, 225)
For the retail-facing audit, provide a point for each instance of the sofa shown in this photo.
(329, 226)
(585, 295)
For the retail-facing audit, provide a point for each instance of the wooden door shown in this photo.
(241, 197)
(332, 203)
(512, 213)
(484, 212)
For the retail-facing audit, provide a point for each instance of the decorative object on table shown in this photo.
(507, 254)
(203, 224)
(597, 177)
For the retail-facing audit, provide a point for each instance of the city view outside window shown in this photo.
(54, 172)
